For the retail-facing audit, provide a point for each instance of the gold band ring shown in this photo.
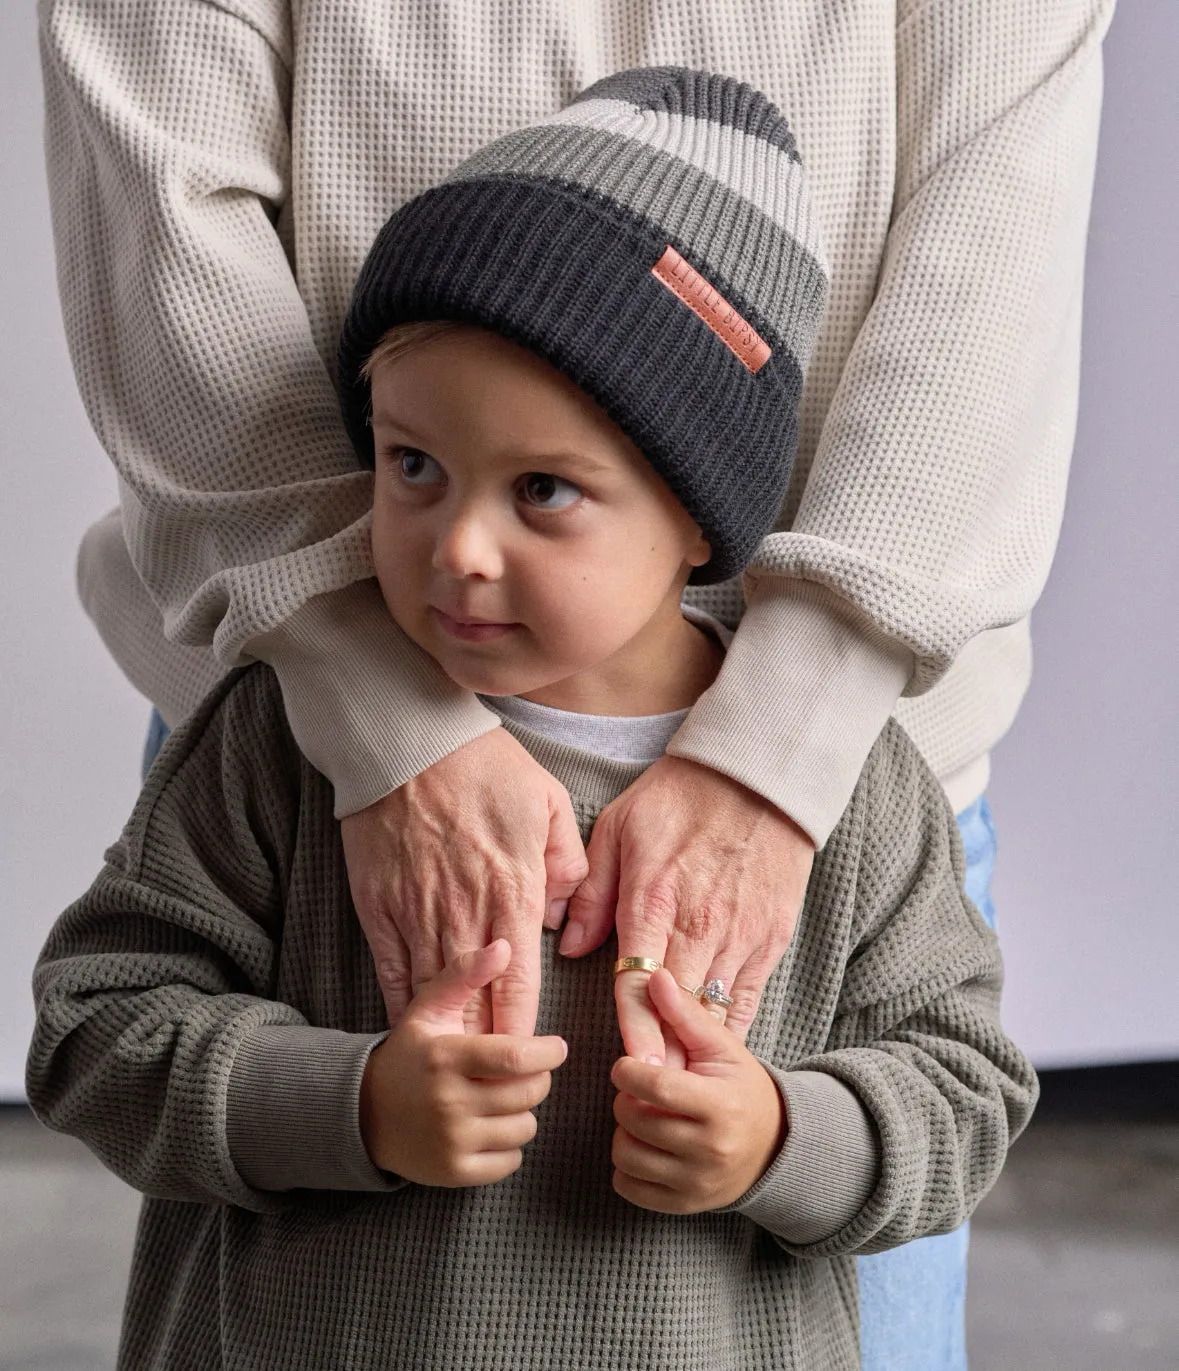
(646, 964)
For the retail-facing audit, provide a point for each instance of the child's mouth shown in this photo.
(470, 630)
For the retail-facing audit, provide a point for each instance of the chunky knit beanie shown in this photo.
(655, 241)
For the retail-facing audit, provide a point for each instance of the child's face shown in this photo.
(519, 536)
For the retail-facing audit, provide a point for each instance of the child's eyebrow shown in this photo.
(566, 457)
(387, 420)
(532, 461)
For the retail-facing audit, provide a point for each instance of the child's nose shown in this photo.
(467, 546)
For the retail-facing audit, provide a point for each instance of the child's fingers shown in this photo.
(443, 998)
(485, 1168)
(511, 1096)
(675, 1092)
(638, 1021)
(669, 1132)
(644, 1195)
(504, 1133)
(702, 1034)
(500, 1056)
(636, 1158)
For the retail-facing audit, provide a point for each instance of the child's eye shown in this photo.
(543, 491)
(419, 468)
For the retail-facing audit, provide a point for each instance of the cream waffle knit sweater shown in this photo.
(218, 169)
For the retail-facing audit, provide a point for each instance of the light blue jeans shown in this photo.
(913, 1299)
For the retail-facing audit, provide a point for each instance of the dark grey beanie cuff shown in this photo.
(569, 275)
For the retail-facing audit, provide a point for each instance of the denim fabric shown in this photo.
(913, 1299)
(157, 731)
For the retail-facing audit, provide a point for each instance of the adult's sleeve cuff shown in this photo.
(293, 1110)
(367, 706)
(827, 1167)
(805, 689)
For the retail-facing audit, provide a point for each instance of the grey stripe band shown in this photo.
(726, 238)
(700, 94)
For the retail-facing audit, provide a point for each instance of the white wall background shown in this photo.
(1086, 787)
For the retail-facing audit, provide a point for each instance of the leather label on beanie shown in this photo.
(708, 304)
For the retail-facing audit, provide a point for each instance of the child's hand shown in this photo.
(697, 1138)
(443, 1107)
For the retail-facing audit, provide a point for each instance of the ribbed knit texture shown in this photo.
(199, 152)
(584, 238)
(203, 1017)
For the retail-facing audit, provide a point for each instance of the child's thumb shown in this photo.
(440, 1001)
(703, 1035)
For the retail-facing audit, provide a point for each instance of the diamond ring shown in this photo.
(713, 992)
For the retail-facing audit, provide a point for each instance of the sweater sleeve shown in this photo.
(924, 1092)
(243, 507)
(158, 1041)
(932, 507)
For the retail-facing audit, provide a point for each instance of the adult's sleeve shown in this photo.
(901, 1124)
(244, 511)
(158, 1040)
(933, 505)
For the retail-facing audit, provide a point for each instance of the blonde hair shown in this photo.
(403, 338)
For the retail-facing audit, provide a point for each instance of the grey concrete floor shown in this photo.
(1074, 1258)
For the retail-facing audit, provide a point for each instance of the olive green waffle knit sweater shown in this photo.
(206, 1009)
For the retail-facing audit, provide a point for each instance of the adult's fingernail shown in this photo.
(653, 1060)
(572, 939)
(555, 915)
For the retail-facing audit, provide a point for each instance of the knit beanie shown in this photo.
(655, 241)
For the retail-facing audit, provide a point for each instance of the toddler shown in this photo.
(575, 368)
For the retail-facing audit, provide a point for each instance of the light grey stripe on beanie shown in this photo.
(726, 237)
(748, 165)
(698, 94)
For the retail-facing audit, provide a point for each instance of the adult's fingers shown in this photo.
(591, 910)
(392, 961)
(477, 1010)
(712, 872)
(746, 990)
(515, 996)
(640, 1024)
(441, 1002)
(406, 869)
(709, 1048)
(565, 861)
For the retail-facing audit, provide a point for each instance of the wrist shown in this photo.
(364, 1109)
(770, 1132)
(379, 1143)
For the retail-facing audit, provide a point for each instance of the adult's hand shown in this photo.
(699, 873)
(481, 845)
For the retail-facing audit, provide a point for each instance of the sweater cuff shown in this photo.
(828, 1166)
(368, 708)
(803, 694)
(293, 1110)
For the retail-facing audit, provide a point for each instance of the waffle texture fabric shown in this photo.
(219, 170)
(654, 241)
(204, 1014)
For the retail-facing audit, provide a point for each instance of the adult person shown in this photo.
(217, 167)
